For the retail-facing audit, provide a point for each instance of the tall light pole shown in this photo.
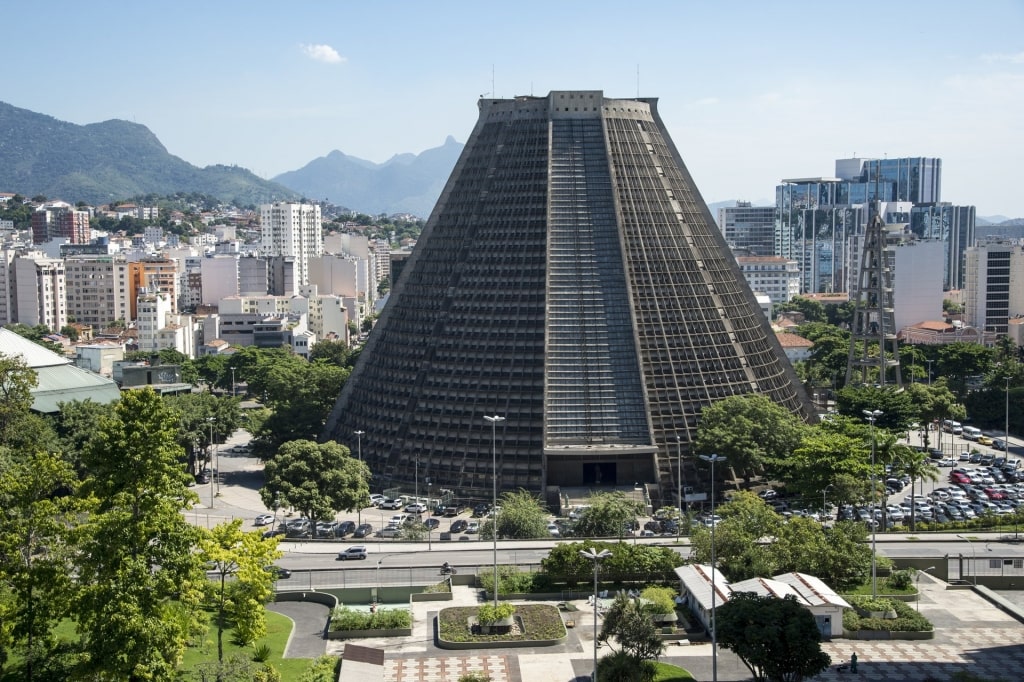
(929, 372)
(1006, 424)
(595, 556)
(429, 530)
(872, 416)
(216, 471)
(714, 634)
(974, 560)
(919, 572)
(232, 382)
(417, 484)
(359, 447)
(824, 502)
(495, 420)
(359, 443)
(679, 484)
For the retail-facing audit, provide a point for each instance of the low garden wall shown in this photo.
(357, 634)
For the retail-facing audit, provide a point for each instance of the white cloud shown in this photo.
(706, 101)
(1011, 58)
(322, 53)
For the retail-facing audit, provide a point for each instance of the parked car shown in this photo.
(391, 504)
(353, 552)
(344, 528)
(481, 509)
(431, 523)
(985, 440)
(768, 494)
(459, 525)
(473, 527)
(416, 508)
(999, 444)
(298, 528)
(553, 530)
(264, 519)
(325, 529)
(376, 499)
(363, 530)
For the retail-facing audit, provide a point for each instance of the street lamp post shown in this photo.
(359, 446)
(1006, 424)
(872, 416)
(232, 382)
(216, 470)
(429, 530)
(714, 634)
(495, 420)
(919, 572)
(595, 556)
(974, 559)
(929, 372)
(679, 485)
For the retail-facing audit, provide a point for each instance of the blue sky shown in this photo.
(752, 92)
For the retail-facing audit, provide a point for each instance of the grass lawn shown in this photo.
(278, 629)
(665, 672)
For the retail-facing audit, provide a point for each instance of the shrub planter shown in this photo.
(886, 634)
(453, 629)
(431, 596)
(357, 634)
(498, 627)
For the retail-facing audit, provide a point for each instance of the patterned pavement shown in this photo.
(449, 669)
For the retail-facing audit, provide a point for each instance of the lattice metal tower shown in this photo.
(571, 280)
(874, 326)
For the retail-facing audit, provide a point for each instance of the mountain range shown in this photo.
(406, 183)
(118, 159)
(114, 159)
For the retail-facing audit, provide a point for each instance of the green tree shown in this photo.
(17, 381)
(628, 624)
(960, 360)
(522, 517)
(932, 403)
(317, 479)
(607, 515)
(300, 394)
(75, 426)
(777, 639)
(139, 580)
(813, 311)
(846, 561)
(829, 456)
(898, 412)
(34, 550)
(228, 551)
(749, 431)
(746, 520)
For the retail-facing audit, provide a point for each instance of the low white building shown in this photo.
(822, 601)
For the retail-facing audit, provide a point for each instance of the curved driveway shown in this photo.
(307, 638)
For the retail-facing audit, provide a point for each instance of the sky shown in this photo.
(751, 92)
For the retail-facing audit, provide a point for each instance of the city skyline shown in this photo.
(752, 93)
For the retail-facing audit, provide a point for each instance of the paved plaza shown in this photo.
(971, 634)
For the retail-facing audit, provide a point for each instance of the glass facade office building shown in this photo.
(572, 281)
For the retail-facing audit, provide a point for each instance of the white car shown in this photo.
(376, 499)
(353, 552)
(264, 520)
(473, 527)
(553, 530)
(416, 508)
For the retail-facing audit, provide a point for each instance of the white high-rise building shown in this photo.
(917, 282)
(290, 229)
(154, 309)
(993, 285)
(40, 288)
(774, 276)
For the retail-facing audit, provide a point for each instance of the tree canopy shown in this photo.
(750, 431)
(317, 479)
(777, 639)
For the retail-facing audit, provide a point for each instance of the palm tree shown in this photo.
(916, 465)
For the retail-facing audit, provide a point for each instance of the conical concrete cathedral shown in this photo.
(572, 281)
